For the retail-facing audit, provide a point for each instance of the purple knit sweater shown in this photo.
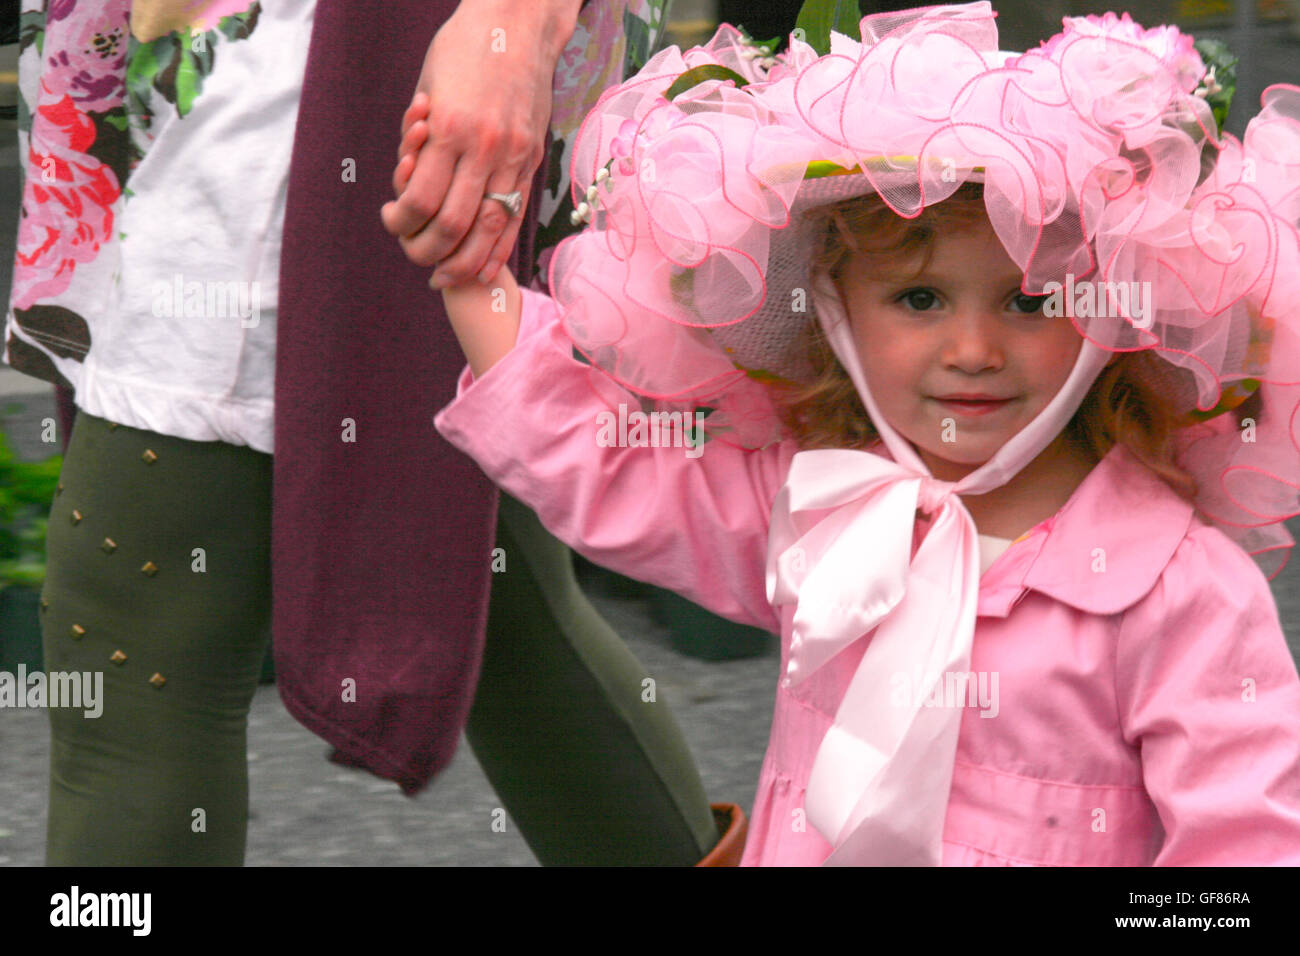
(382, 546)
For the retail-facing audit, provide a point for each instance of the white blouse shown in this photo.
(179, 300)
(991, 549)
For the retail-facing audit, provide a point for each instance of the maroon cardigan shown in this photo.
(381, 547)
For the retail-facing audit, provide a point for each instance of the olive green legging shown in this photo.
(159, 577)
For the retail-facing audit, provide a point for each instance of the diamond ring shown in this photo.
(514, 202)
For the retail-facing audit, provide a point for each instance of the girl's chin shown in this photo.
(949, 465)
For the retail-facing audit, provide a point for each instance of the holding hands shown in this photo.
(475, 129)
(484, 336)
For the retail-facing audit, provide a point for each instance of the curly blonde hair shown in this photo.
(1123, 406)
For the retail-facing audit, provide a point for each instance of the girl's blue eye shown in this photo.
(1028, 304)
(921, 300)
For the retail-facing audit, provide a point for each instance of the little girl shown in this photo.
(989, 351)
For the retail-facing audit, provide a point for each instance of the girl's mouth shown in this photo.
(974, 406)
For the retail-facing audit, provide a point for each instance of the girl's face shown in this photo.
(957, 358)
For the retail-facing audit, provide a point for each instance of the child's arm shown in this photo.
(485, 319)
(1208, 690)
(690, 520)
(534, 427)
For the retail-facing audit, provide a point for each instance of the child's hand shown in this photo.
(415, 130)
(485, 318)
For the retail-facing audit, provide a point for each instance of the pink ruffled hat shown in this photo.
(1101, 163)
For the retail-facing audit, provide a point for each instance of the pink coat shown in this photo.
(1147, 706)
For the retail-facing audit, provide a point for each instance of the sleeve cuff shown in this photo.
(538, 311)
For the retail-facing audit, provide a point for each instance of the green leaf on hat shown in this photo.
(1230, 397)
(820, 168)
(768, 45)
(818, 18)
(698, 75)
(1219, 59)
(763, 375)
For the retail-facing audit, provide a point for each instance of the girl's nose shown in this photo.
(974, 343)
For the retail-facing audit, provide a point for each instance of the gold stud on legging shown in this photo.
(123, 786)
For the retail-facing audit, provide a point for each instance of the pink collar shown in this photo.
(1091, 554)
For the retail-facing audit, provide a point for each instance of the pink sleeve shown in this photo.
(697, 526)
(1208, 689)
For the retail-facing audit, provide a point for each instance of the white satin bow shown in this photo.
(881, 777)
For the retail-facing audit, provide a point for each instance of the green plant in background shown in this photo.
(817, 18)
(1220, 81)
(26, 489)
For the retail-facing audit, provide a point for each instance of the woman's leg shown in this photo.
(158, 579)
(591, 768)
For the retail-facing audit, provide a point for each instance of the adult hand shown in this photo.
(486, 84)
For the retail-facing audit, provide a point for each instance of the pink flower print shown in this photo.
(585, 72)
(85, 55)
(63, 222)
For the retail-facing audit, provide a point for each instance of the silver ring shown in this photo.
(514, 202)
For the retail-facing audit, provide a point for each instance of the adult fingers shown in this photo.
(504, 245)
(425, 193)
(452, 220)
(492, 227)
(416, 135)
(402, 174)
(418, 110)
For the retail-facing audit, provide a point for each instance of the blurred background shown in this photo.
(718, 678)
